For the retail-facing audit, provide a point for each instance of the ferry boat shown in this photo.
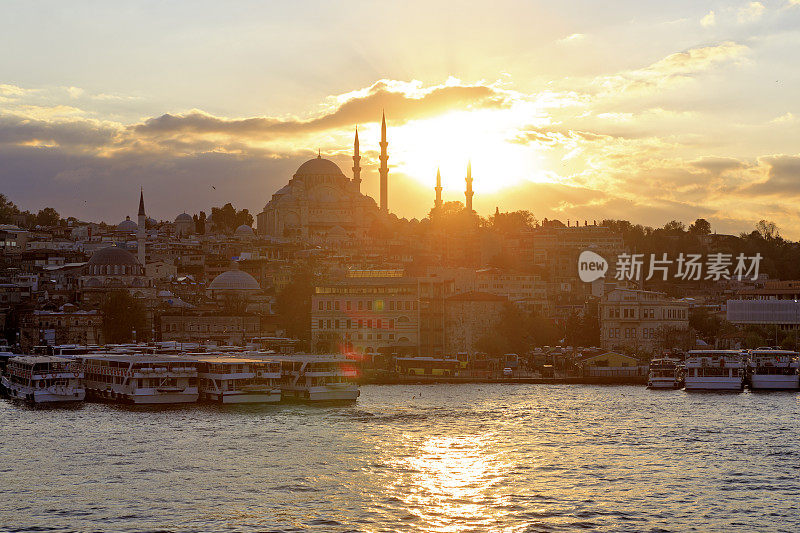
(714, 370)
(227, 379)
(774, 369)
(665, 373)
(140, 378)
(318, 378)
(43, 379)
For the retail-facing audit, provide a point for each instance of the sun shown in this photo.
(449, 141)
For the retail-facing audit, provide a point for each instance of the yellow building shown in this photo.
(639, 320)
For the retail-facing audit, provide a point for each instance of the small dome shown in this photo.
(234, 280)
(244, 229)
(112, 255)
(127, 225)
(319, 167)
(184, 217)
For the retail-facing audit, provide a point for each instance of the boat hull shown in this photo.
(774, 382)
(246, 397)
(144, 397)
(714, 383)
(662, 383)
(43, 395)
(322, 394)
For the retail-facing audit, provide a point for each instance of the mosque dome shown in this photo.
(184, 217)
(234, 280)
(319, 167)
(244, 231)
(127, 225)
(113, 261)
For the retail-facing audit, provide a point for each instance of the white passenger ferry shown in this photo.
(140, 378)
(714, 370)
(231, 379)
(665, 373)
(43, 379)
(774, 369)
(318, 377)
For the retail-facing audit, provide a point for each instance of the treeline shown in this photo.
(10, 213)
(780, 257)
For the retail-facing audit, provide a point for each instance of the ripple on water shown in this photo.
(411, 458)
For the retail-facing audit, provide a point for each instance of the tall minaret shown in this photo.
(356, 164)
(468, 193)
(140, 231)
(384, 168)
(438, 188)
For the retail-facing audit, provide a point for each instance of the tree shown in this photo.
(513, 222)
(227, 218)
(122, 315)
(701, 226)
(768, 230)
(293, 303)
(48, 217)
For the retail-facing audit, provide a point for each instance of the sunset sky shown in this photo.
(573, 110)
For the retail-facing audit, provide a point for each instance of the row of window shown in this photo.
(215, 327)
(628, 312)
(359, 324)
(369, 305)
(630, 333)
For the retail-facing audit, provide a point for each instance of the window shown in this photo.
(369, 324)
(369, 305)
(319, 324)
(348, 305)
(320, 305)
(336, 305)
(360, 305)
(349, 324)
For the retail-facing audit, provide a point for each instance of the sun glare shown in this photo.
(449, 141)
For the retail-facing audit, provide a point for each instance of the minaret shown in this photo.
(356, 164)
(384, 170)
(468, 193)
(140, 231)
(438, 188)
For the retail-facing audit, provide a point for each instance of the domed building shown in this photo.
(319, 199)
(233, 284)
(113, 268)
(184, 224)
(244, 232)
(127, 226)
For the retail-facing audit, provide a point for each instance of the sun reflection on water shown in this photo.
(448, 481)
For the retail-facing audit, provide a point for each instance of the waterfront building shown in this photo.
(368, 311)
(611, 364)
(641, 320)
(215, 326)
(468, 317)
(67, 326)
(777, 303)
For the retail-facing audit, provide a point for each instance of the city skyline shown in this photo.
(691, 115)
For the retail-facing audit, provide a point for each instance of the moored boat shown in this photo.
(231, 379)
(318, 378)
(140, 378)
(720, 370)
(43, 379)
(665, 373)
(774, 370)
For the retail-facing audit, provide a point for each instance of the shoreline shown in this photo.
(576, 380)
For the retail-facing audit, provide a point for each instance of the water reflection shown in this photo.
(448, 481)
